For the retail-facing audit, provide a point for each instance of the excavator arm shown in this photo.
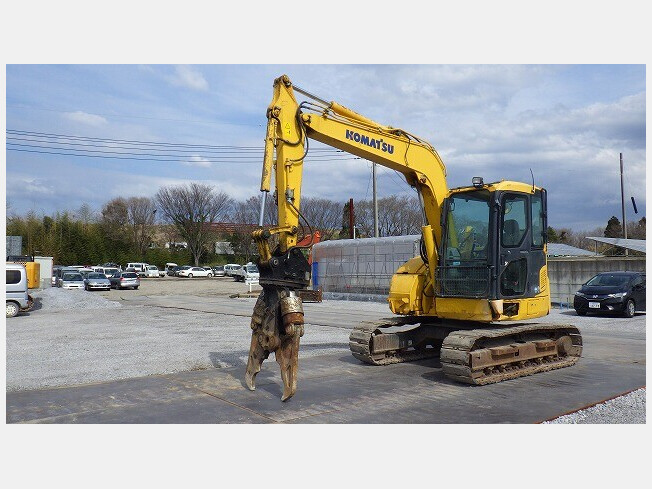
(277, 321)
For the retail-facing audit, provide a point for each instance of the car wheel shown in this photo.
(136, 287)
(580, 312)
(630, 309)
(210, 275)
(190, 275)
(12, 309)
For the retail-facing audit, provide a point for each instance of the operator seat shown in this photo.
(511, 233)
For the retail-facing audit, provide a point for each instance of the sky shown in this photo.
(565, 123)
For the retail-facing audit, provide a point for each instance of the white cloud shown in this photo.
(187, 77)
(85, 118)
(197, 161)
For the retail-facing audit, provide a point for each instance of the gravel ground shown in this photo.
(627, 409)
(55, 299)
(79, 337)
(167, 325)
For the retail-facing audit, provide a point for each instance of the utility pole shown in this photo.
(351, 219)
(375, 199)
(622, 202)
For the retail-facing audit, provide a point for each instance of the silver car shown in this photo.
(124, 280)
(97, 281)
(71, 280)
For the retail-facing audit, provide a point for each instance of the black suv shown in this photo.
(612, 292)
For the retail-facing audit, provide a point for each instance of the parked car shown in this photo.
(18, 300)
(71, 280)
(230, 267)
(246, 273)
(125, 280)
(140, 268)
(218, 271)
(191, 272)
(178, 270)
(612, 292)
(97, 281)
(56, 274)
(151, 271)
(85, 271)
(108, 271)
(53, 279)
(169, 267)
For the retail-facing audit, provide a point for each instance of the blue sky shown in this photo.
(568, 123)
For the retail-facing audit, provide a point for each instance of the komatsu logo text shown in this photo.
(371, 142)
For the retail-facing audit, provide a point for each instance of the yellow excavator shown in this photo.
(482, 258)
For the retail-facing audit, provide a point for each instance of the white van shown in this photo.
(18, 300)
(230, 267)
(141, 268)
(151, 271)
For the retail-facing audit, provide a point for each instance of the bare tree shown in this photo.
(324, 215)
(115, 217)
(191, 208)
(399, 216)
(140, 217)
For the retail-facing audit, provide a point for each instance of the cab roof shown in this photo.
(503, 185)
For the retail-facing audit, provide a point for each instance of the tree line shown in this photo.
(138, 228)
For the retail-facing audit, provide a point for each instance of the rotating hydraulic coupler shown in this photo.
(292, 314)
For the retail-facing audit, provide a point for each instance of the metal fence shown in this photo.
(361, 266)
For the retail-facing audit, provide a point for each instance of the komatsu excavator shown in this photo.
(482, 258)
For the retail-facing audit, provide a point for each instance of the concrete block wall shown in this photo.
(567, 274)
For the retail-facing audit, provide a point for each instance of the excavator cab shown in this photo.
(493, 246)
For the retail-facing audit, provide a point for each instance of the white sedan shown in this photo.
(195, 272)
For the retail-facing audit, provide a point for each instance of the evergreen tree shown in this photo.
(614, 229)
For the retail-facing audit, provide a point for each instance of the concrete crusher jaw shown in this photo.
(277, 320)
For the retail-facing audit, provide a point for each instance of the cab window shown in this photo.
(514, 220)
(538, 231)
(467, 228)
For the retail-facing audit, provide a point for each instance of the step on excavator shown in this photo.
(482, 269)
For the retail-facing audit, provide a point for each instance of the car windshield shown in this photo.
(110, 271)
(218, 268)
(609, 280)
(129, 275)
(252, 268)
(96, 275)
(72, 277)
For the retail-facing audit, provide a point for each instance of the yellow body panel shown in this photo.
(411, 294)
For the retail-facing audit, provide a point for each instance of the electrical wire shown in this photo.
(164, 158)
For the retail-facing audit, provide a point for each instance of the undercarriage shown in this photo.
(473, 353)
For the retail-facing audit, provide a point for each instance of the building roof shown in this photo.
(561, 249)
(630, 244)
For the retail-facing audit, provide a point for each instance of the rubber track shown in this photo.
(360, 344)
(455, 358)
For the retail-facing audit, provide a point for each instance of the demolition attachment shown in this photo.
(277, 320)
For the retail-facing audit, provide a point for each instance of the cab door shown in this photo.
(521, 244)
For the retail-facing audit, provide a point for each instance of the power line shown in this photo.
(124, 149)
(42, 135)
(176, 158)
